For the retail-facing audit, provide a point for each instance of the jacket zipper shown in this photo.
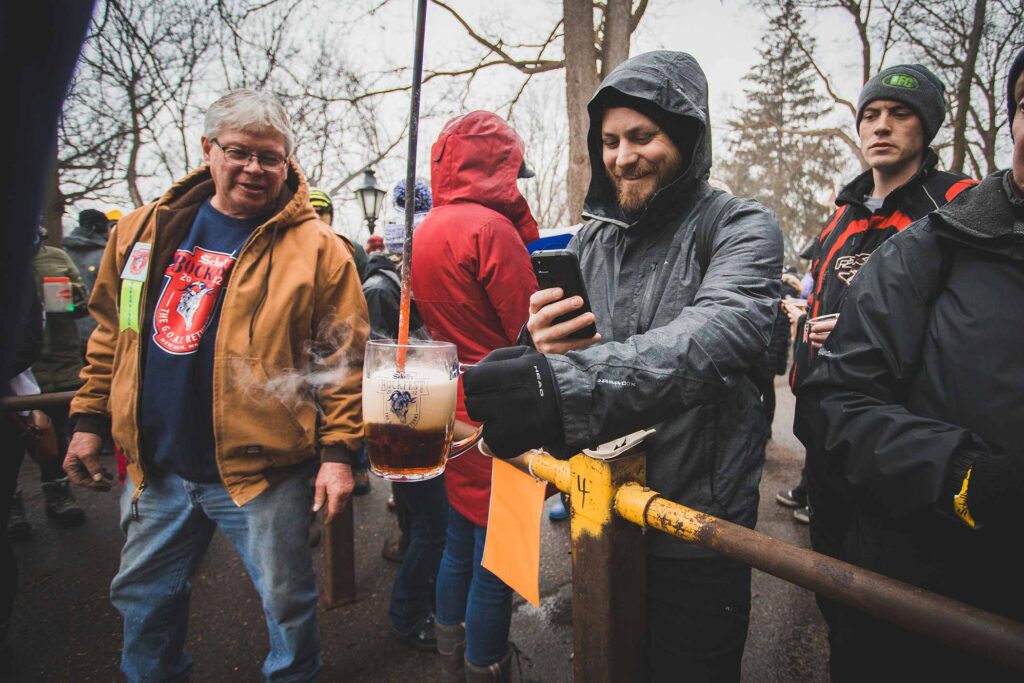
(645, 300)
(139, 370)
(138, 492)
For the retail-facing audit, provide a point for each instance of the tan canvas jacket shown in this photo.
(289, 346)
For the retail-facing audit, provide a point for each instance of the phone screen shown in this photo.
(561, 268)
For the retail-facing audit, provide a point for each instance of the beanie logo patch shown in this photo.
(898, 80)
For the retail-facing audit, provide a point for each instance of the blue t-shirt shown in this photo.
(177, 381)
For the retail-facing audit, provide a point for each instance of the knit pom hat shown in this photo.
(915, 86)
(394, 230)
(422, 199)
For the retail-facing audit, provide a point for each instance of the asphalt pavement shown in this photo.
(64, 628)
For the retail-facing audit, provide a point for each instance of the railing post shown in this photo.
(339, 559)
(609, 567)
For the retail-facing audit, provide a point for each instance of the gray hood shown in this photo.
(675, 83)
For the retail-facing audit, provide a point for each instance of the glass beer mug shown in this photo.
(409, 417)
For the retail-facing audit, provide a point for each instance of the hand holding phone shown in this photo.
(560, 322)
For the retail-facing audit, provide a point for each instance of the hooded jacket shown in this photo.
(677, 343)
(922, 374)
(86, 249)
(292, 304)
(471, 273)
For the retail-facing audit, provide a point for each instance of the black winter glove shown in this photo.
(995, 492)
(512, 391)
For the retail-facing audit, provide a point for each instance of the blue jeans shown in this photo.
(466, 592)
(412, 594)
(176, 521)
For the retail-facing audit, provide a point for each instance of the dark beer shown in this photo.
(409, 414)
(397, 451)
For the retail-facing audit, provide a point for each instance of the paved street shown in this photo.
(64, 628)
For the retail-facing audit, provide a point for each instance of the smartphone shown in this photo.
(561, 268)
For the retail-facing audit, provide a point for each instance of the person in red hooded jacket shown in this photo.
(472, 281)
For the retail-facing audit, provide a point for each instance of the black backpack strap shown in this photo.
(707, 227)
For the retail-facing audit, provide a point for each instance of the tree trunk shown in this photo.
(581, 80)
(615, 41)
(963, 88)
(53, 204)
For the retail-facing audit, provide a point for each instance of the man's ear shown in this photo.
(207, 146)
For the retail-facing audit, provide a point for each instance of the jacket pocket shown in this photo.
(257, 414)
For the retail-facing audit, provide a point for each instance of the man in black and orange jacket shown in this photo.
(899, 111)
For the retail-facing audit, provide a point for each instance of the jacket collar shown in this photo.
(862, 185)
(985, 217)
(292, 206)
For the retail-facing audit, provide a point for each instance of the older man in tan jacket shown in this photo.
(226, 364)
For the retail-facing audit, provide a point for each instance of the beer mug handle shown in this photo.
(463, 445)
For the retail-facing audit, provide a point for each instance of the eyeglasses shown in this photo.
(239, 156)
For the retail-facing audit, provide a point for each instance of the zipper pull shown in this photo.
(135, 500)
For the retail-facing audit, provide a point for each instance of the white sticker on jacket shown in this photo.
(137, 266)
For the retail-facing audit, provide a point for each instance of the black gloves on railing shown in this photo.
(512, 391)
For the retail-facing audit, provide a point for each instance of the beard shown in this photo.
(647, 178)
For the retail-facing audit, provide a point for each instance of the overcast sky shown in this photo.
(723, 36)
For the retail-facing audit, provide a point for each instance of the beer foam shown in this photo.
(424, 397)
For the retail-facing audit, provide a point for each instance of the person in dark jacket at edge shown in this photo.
(85, 246)
(921, 394)
(674, 350)
(57, 369)
(899, 111)
(472, 281)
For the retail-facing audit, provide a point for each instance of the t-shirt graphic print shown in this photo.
(178, 375)
(193, 283)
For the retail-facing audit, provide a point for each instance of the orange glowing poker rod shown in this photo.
(410, 187)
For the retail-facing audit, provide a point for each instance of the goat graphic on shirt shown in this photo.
(193, 283)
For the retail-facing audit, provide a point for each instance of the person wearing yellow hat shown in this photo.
(324, 208)
(113, 216)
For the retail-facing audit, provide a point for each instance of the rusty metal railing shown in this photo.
(610, 507)
(34, 401)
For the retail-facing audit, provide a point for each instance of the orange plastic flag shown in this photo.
(512, 549)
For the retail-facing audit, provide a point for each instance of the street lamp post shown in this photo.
(371, 198)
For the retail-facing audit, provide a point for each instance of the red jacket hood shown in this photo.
(476, 159)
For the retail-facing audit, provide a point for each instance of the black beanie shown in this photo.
(1011, 81)
(93, 220)
(915, 86)
(682, 130)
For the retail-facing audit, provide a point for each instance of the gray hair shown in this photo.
(253, 111)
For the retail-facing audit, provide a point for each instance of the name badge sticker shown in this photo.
(137, 266)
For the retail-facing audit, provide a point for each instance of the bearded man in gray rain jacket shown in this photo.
(683, 282)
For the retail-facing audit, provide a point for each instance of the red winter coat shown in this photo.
(471, 274)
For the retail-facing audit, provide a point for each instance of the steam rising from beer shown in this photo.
(335, 358)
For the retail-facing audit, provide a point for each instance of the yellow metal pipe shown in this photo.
(545, 466)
